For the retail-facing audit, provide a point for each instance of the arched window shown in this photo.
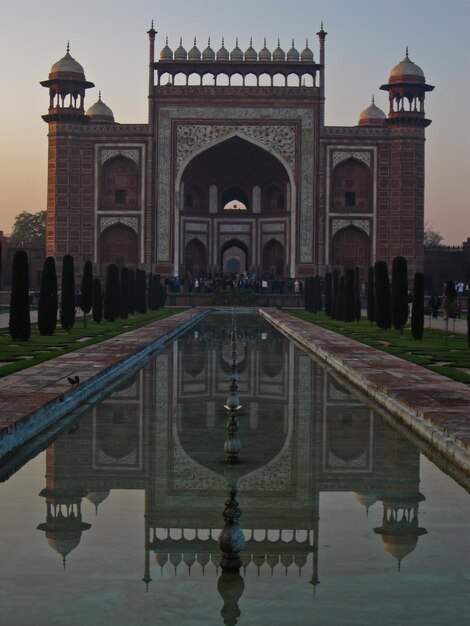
(118, 244)
(235, 199)
(274, 199)
(120, 181)
(352, 188)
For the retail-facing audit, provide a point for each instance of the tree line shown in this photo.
(387, 300)
(127, 291)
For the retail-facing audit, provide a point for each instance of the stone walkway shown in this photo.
(435, 407)
(33, 399)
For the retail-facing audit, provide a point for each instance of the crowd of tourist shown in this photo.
(246, 282)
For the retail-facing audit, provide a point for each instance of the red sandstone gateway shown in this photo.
(235, 169)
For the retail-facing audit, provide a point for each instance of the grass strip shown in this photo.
(16, 356)
(451, 359)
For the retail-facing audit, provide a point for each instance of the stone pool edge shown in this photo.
(419, 405)
(57, 398)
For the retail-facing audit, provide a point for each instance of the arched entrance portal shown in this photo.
(273, 258)
(234, 257)
(351, 248)
(118, 244)
(195, 259)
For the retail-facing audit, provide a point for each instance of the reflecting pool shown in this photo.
(344, 521)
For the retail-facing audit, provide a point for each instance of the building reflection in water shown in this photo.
(303, 434)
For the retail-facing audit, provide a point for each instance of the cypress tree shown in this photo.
(308, 294)
(111, 293)
(97, 301)
(163, 292)
(158, 291)
(357, 295)
(86, 290)
(131, 296)
(143, 295)
(149, 291)
(468, 320)
(318, 293)
(349, 314)
(314, 294)
(67, 301)
(399, 292)
(383, 315)
(334, 296)
(339, 314)
(417, 308)
(20, 322)
(370, 296)
(48, 299)
(328, 293)
(124, 311)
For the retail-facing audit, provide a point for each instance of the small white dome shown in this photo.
(222, 53)
(208, 54)
(67, 67)
(279, 54)
(372, 116)
(167, 53)
(293, 54)
(406, 71)
(194, 54)
(236, 54)
(250, 53)
(307, 54)
(100, 112)
(180, 52)
(264, 53)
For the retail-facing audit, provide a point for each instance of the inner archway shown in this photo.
(195, 259)
(234, 257)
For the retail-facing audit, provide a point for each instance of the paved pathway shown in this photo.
(435, 407)
(33, 399)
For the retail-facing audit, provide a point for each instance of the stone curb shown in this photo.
(445, 427)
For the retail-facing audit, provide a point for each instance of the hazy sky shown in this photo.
(366, 38)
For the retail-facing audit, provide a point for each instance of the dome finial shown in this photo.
(151, 25)
(99, 95)
(265, 42)
(166, 40)
(68, 46)
(293, 43)
(236, 41)
(321, 25)
(223, 42)
(406, 54)
(208, 41)
(251, 41)
(373, 99)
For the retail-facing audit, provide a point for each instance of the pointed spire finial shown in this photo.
(99, 98)
(306, 43)
(265, 42)
(223, 42)
(373, 99)
(151, 24)
(194, 41)
(293, 45)
(251, 41)
(208, 42)
(181, 41)
(278, 42)
(406, 52)
(166, 40)
(68, 46)
(321, 25)
(236, 42)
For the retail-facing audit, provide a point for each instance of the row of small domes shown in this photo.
(237, 54)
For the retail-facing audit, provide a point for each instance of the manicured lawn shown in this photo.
(15, 356)
(451, 360)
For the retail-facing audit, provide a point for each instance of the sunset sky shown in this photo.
(366, 38)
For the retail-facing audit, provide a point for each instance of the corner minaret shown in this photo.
(67, 85)
(407, 122)
(406, 91)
